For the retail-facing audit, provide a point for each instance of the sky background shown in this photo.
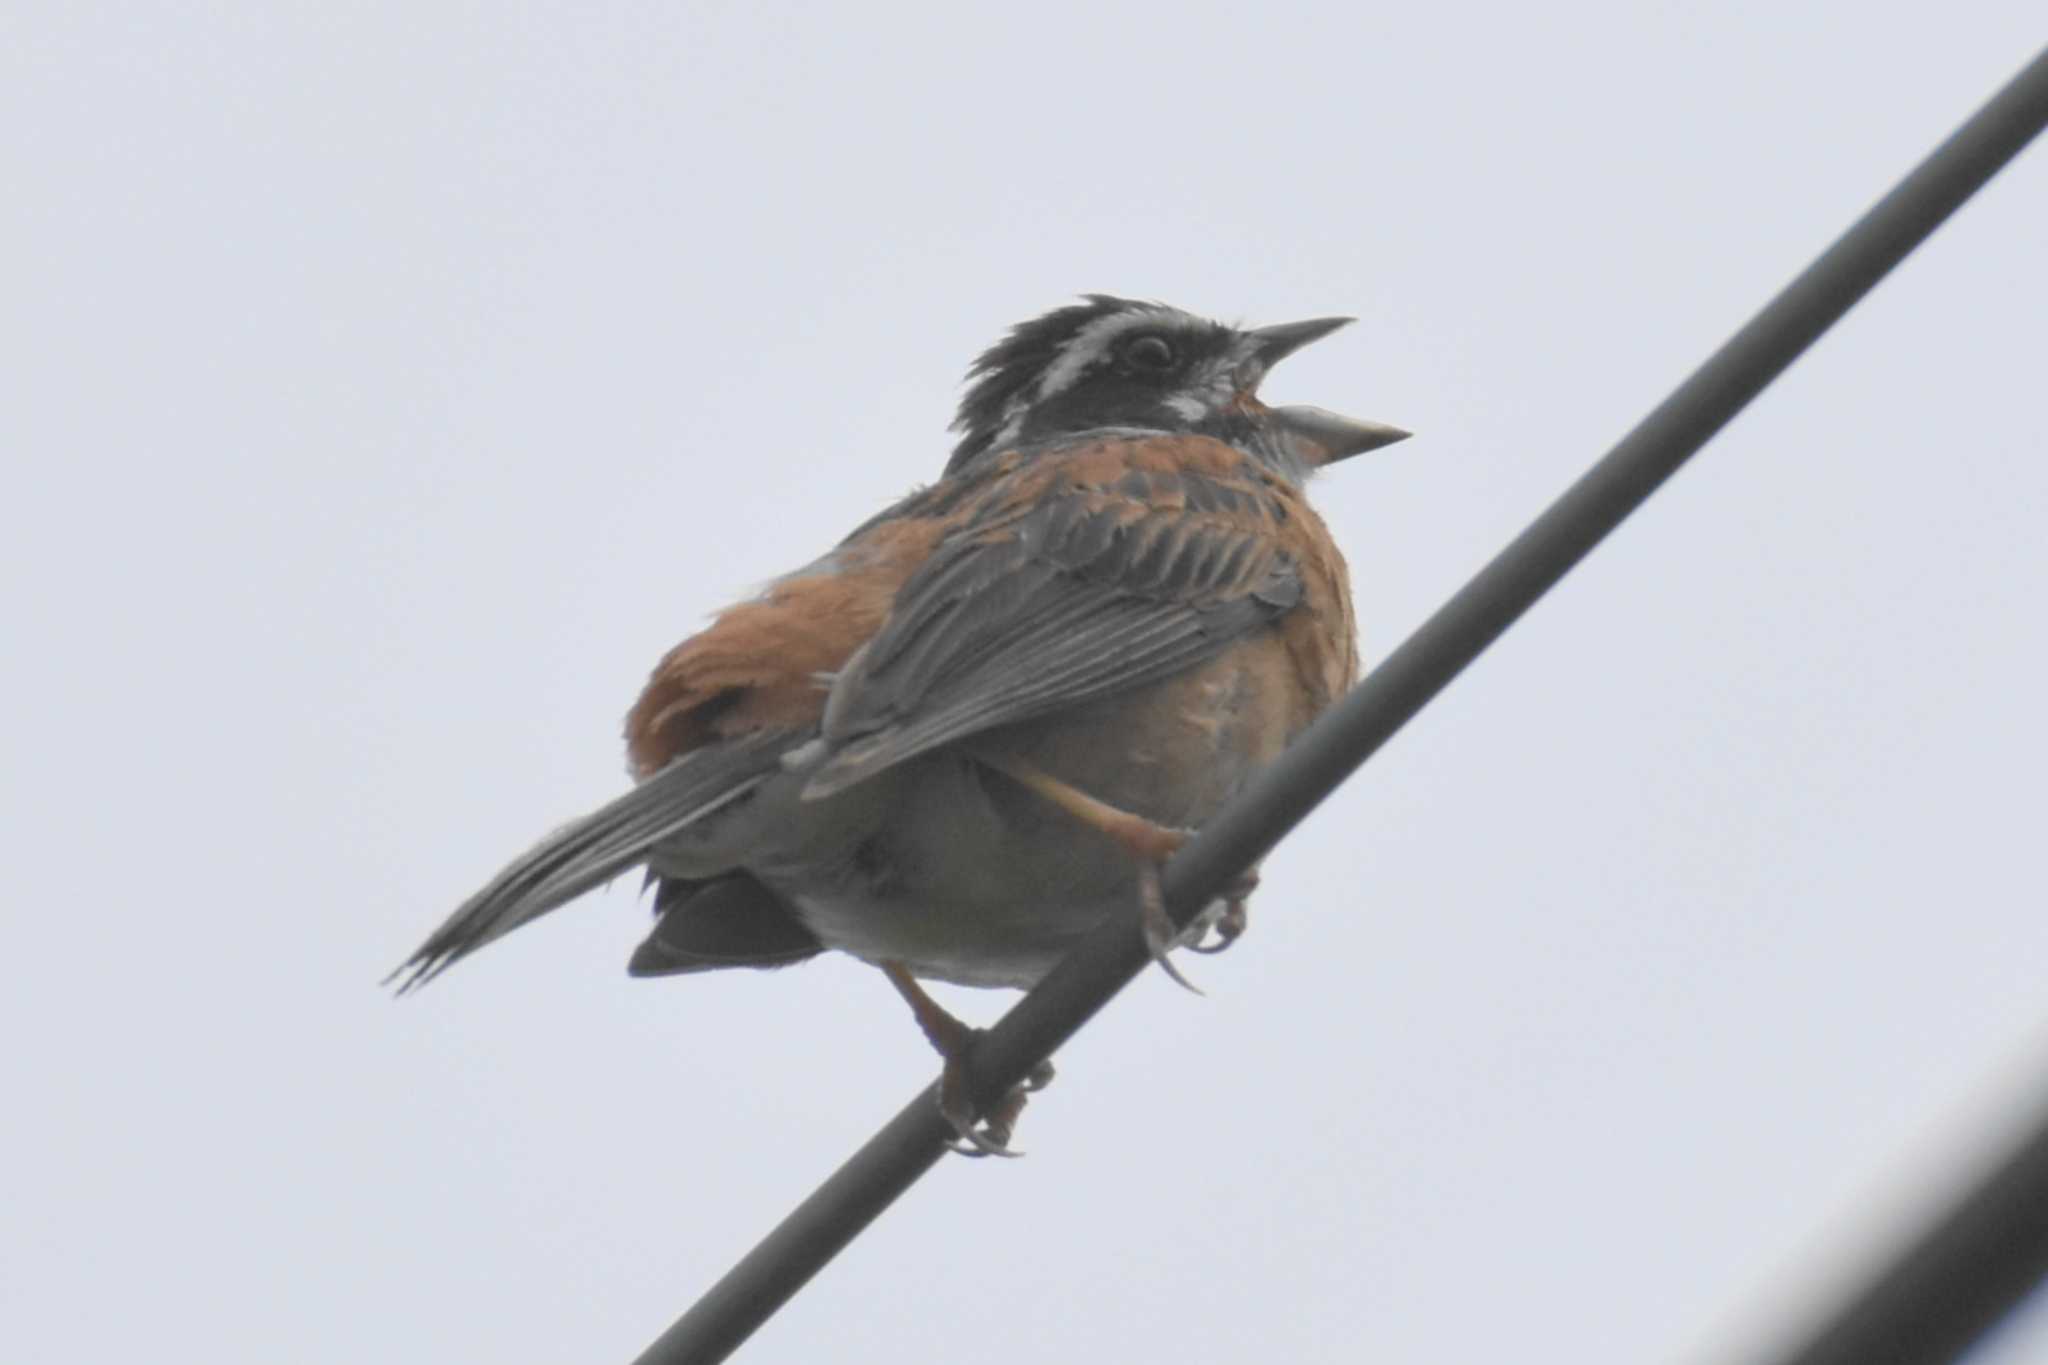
(385, 387)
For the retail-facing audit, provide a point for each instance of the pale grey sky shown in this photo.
(387, 386)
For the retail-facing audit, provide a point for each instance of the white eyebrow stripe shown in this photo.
(1091, 343)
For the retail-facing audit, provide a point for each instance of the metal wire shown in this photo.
(1350, 732)
(1970, 1266)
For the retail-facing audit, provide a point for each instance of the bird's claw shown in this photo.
(991, 1135)
(988, 1135)
(1234, 920)
(1160, 930)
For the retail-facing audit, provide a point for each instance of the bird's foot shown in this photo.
(990, 1136)
(1158, 926)
(984, 1135)
(1235, 919)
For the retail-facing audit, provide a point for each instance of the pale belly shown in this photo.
(960, 873)
(970, 879)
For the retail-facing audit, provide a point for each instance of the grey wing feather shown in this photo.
(1079, 602)
(586, 853)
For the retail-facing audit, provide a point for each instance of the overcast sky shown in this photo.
(387, 386)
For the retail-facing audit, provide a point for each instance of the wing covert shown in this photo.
(1079, 579)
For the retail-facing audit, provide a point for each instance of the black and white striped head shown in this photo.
(1120, 363)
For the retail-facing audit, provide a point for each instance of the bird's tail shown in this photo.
(589, 852)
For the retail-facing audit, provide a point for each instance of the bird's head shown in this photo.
(1110, 362)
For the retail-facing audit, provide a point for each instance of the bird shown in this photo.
(975, 728)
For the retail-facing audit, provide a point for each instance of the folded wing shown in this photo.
(1120, 564)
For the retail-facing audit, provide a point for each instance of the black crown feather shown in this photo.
(1007, 370)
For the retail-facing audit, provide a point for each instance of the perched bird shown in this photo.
(958, 740)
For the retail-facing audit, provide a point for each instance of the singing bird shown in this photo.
(962, 737)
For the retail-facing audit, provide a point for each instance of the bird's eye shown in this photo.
(1149, 352)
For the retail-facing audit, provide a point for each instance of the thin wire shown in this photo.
(1967, 1269)
(1350, 732)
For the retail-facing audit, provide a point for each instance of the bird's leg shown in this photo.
(1148, 842)
(952, 1040)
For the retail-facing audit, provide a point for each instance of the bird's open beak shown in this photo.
(1318, 437)
(1271, 345)
(1313, 435)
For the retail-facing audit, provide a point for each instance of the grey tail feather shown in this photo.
(584, 854)
(728, 921)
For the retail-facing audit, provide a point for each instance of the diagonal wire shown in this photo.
(1967, 1268)
(1241, 834)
